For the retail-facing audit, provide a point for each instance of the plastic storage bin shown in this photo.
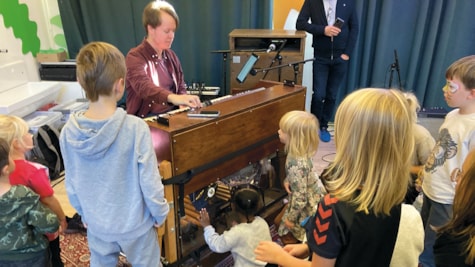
(70, 107)
(39, 118)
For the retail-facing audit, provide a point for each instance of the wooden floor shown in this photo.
(60, 193)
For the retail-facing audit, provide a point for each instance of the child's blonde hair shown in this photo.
(414, 105)
(464, 70)
(13, 128)
(301, 128)
(99, 66)
(374, 143)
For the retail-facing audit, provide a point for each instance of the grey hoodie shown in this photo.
(112, 177)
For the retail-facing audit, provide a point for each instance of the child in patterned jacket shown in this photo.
(299, 133)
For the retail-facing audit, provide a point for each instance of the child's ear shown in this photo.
(5, 171)
(471, 95)
(16, 144)
(119, 88)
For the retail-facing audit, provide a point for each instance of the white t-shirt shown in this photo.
(241, 240)
(456, 138)
(410, 238)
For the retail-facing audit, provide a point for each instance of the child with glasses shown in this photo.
(456, 138)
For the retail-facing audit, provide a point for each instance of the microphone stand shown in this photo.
(277, 57)
(395, 67)
(225, 53)
(295, 66)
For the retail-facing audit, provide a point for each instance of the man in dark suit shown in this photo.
(334, 26)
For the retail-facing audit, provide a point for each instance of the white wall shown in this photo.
(41, 12)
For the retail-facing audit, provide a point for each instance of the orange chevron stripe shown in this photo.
(324, 213)
(319, 239)
(321, 227)
(329, 199)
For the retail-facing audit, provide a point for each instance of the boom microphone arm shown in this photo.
(295, 65)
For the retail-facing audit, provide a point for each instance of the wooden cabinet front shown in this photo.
(244, 42)
(207, 150)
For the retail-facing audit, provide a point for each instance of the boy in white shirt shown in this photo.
(456, 138)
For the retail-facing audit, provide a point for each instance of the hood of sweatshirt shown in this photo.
(92, 138)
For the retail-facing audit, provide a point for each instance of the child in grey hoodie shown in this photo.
(112, 177)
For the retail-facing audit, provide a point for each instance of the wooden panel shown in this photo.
(211, 149)
(199, 135)
(217, 138)
(170, 235)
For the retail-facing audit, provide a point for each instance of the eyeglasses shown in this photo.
(450, 87)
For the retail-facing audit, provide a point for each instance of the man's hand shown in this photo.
(332, 31)
(191, 101)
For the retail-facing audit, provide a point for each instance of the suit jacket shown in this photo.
(345, 42)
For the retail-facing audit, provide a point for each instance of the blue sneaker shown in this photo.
(325, 135)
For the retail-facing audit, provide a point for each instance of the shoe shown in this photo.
(325, 135)
(75, 225)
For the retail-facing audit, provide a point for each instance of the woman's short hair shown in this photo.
(152, 14)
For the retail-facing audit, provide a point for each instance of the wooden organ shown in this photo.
(196, 152)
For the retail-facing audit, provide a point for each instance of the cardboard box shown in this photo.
(47, 56)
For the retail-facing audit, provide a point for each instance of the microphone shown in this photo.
(396, 61)
(271, 48)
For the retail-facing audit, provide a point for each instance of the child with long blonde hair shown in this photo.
(299, 133)
(361, 222)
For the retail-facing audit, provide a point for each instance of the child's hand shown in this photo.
(419, 180)
(297, 250)
(204, 217)
(63, 225)
(268, 251)
(287, 187)
(288, 224)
